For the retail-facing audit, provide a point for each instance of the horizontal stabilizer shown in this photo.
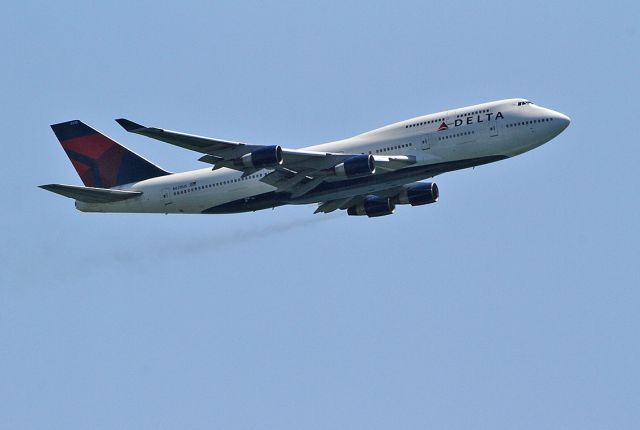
(90, 194)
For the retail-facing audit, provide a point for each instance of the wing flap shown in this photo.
(332, 205)
(303, 188)
(299, 160)
(91, 194)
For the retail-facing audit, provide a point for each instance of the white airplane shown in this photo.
(368, 174)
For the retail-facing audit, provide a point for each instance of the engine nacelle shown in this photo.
(418, 194)
(358, 165)
(373, 206)
(269, 156)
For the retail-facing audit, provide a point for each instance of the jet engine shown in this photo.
(418, 194)
(358, 165)
(269, 156)
(373, 206)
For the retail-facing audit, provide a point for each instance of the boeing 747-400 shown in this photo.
(368, 174)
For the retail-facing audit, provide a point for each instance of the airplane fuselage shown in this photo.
(440, 142)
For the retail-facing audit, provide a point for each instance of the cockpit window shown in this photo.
(526, 102)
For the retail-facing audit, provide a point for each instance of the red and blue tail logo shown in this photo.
(100, 161)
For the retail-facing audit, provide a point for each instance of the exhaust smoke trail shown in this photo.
(162, 248)
(243, 236)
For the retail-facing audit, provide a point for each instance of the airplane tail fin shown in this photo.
(100, 161)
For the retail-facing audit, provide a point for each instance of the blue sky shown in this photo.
(511, 303)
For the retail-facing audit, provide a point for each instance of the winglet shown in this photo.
(130, 125)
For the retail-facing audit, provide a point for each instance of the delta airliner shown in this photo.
(368, 174)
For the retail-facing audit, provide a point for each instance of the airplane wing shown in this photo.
(223, 152)
(294, 171)
(219, 149)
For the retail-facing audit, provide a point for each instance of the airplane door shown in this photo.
(493, 129)
(426, 142)
(166, 196)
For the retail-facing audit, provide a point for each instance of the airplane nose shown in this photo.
(560, 121)
(563, 120)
